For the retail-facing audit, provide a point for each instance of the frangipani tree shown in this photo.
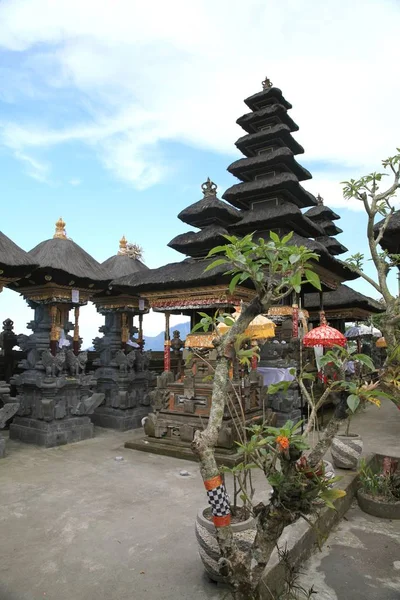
(275, 269)
(377, 204)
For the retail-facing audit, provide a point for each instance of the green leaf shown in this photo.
(287, 238)
(365, 360)
(274, 237)
(330, 495)
(234, 283)
(216, 250)
(353, 402)
(197, 327)
(313, 279)
(216, 263)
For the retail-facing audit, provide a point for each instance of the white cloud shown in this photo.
(35, 168)
(75, 182)
(156, 71)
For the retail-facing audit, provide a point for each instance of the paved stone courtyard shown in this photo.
(76, 524)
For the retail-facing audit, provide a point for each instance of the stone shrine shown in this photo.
(54, 393)
(122, 373)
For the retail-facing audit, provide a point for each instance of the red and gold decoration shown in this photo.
(381, 343)
(167, 345)
(324, 335)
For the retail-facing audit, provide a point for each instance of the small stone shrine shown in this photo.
(54, 393)
(122, 373)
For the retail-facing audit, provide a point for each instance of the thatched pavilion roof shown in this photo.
(14, 262)
(391, 237)
(343, 297)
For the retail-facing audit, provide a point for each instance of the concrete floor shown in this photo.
(359, 561)
(75, 524)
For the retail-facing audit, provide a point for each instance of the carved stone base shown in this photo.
(181, 450)
(2, 447)
(54, 433)
(122, 420)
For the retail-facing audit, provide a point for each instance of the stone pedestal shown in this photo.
(2, 447)
(54, 393)
(280, 355)
(55, 433)
(122, 377)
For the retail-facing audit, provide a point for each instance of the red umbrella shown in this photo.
(324, 336)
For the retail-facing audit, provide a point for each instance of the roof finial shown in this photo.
(266, 84)
(122, 245)
(127, 249)
(320, 200)
(209, 188)
(60, 230)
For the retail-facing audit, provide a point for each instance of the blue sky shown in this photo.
(113, 113)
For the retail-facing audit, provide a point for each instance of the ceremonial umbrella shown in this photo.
(324, 335)
(361, 330)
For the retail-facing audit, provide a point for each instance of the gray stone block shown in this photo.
(2, 447)
(122, 420)
(55, 433)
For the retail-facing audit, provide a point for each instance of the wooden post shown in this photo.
(167, 345)
(124, 330)
(295, 321)
(140, 341)
(75, 345)
(254, 361)
(53, 330)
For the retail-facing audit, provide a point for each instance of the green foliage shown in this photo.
(383, 484)
(356, 261)
(263, 261)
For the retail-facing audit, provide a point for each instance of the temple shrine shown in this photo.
(54, 392)
(269, 197)
(122, 373)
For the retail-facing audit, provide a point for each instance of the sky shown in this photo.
(114, 112)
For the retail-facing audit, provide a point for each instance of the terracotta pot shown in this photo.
(346, 450)
(373, 506)
(244, 534)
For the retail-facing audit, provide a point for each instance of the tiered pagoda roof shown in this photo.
(391, 237)
(343, 303)
(268, 197)
(323, 216)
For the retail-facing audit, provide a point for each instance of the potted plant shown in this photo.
(379, 492)
(346, 448)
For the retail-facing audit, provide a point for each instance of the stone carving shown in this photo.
(53, 405)
(54, 365)
(181, 407)
(76, 364)
(123, 376)
(6, 412)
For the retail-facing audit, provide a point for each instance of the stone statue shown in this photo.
(54, 365)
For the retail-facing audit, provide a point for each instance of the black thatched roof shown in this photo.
(272, 215)
(332, 245)
(64, 261)
(277, 135)
(195, 243)
(391, 237)
(343, 297)
(328, 227)
(122, 264)
(265, 97)
(188, 273)
(251, 122)
(279, 185)
(280, 159)
(334, 265)
(209, 210)
(14, 262)
(321, 213)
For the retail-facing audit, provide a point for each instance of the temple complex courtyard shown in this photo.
(78, 524)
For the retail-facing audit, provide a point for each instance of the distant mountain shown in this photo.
(157, 342)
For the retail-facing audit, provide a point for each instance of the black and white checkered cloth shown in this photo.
(219, 501)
